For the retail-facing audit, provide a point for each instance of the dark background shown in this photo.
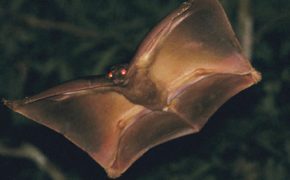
(43, 43)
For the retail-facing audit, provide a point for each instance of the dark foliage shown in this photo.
(43, 43)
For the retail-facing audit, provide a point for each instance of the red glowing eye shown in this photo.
(110, 74)
(123, 72)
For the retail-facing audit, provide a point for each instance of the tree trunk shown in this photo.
(246, 27)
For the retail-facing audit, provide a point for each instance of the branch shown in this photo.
(60, 26)
(30, 152)
(36, 22)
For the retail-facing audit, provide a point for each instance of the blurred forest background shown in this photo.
(43, 43)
